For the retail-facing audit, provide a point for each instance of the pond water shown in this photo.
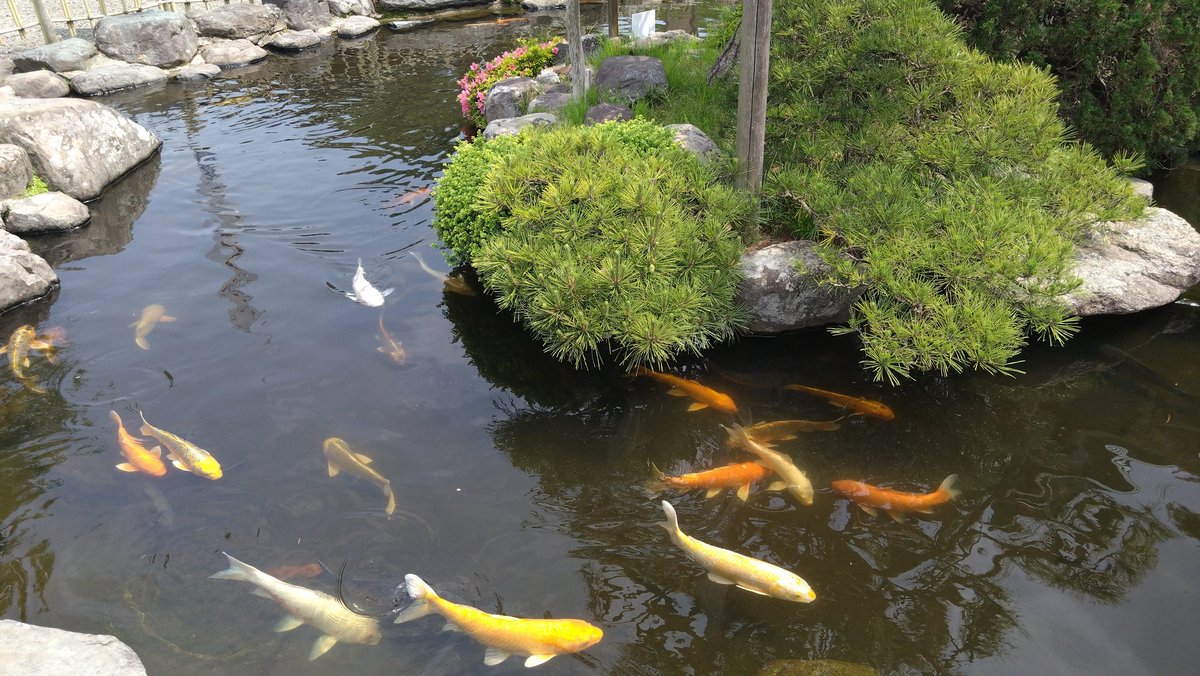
(519, 482)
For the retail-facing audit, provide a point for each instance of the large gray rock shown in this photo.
(1136, 265)
(408, 24)
(607, 112)
(631, 77)
(549, 103)
(69, 54)
(46, 212)
(232, 53)
(355, 26)
(15, 170)
(42, 651)
(233, 22)
(293, 41)
(780, 297)
(76, 146)
(421, 5)
(109, 79)
(6, 66)
(303, 14)
(351, 7)
(24, 276)
(40, 84)
(513, 125)
(150, 38)
(536, 5)
(199, 71)
(691, 138)
(508, 98)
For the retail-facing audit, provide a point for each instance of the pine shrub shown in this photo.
(1129, 71)
(940, 180)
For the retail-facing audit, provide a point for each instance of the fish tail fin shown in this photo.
(391, 498)
(141, 342)
(422, 595)
(116, 418)
(237, 570)
(657, 484)
(145, 424)
(671, 525)
(948, 486)
(737, 436)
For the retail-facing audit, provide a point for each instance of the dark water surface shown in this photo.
(1074, 548)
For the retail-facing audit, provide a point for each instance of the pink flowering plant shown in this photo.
(525, 61)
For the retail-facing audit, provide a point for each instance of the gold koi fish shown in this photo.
(726, 567)
(341, 459)
(846, 401)
(23, 341)
(184, 454)
(389, 345)
(451, 283)
(783, 430)
(794, 480)
(151, 316)
(306, 606)
(504, 636)
(141, 459)
(702, 396)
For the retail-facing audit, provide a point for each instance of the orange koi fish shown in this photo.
(411, 196)
(856, 404)
(703, 396)
(896, 503)
(715, 480)
(140, 459)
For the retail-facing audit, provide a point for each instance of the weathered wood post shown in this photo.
(579, 81)
(44, 21)
(613, 18)
(755, 52)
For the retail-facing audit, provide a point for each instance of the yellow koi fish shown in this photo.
(389, 345)
(341, 459)
(783, 430)
(184, 454)
(794, 480)
(151, 316)
(335, 621)
(23, 341)
(451, 283)
(726, 567)
(140, 459)
(504, 636)
(702, 396)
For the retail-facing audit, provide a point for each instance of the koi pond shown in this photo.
(520, 484)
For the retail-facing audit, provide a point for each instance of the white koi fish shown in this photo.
(364, 293)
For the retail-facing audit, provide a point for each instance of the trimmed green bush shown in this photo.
(940, 180)
(1129, 71)
(461, 226)
(613, 242)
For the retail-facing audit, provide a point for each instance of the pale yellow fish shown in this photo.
(393, 348)
(793, 480)
(151, 316)
(23, 341)
(504, 636)
(341, 459)
(184, 454)
(726, 567)
(451, 283)
(335, 621)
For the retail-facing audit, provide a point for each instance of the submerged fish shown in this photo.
(184, 454)
(363, 293)
(896, 503)
(782, 430)
(389, 345)
(739, 475)
(341, 459)
(23, 341)
(451, 283)
(702, 396)
(794, 480)
(726, 567)
(151, 316)
(412, 196)
(306, 606)
(141, 459)
(504, 636)
(846, 401)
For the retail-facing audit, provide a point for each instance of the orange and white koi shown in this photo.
(896, 503)
(846, 401)
(739, 475)
(702, 396)
(141, 459)
(504, 636)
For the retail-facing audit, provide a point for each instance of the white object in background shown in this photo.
(642, 24)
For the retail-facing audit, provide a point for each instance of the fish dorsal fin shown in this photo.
(494, 656)
(288, 623)
(26, 362)
(869, 510)
(450, 626)
(181, 466)
(718, 578)
(744, 492)
(712, 492)
(534, 660)
(333, 469)
(777, 486)
(126, 467)
(363, 459)
(696, 406)
(676, 392)
(754, 591)
(321, 646)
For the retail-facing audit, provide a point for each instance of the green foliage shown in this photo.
(461, 226)
(1129, 71)
(612, 240)
(36, 187)
(941, 181)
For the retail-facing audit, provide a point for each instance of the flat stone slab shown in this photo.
(233, 53)
(536, 5)
(356, 26)
(513, 125)
(408, 24)
(303, 14)
(351, 7)
(69, 54)
(40, 84)
(47, 212)
(24, 276)
(43, 651)
(549, 103)
(234, 22)
(606, 112)
(294, 41)
(199, 71)
(115, 78)
(420, 5)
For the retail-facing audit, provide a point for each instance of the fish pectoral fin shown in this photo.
(898, 517)
(386, 292)
(696, 406)
(676, 392)
(534, 660)
(712, 492)
(334, 470)
(788, 437)
(777, 486)
(924, 510)
(166, 318)
(126, 467)
(133, 325)
(180, 466)
(450, 626)
(869, 510)
(156, 451)
(494, 656)
(321, 646)
(416, 609)
(753, 590)
(719, 579)
(744, 492)
(26, 362)
(259, 591)
(363, 459)
(288, 623)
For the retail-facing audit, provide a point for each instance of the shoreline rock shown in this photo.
(45, 650)
(24, 276)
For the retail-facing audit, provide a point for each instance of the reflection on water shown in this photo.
(520, 483)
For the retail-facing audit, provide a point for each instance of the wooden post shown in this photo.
(613, 18)
(44, 22)
(579, 81)
(752, 92)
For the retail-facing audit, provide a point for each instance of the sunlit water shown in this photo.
(1074, 547)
